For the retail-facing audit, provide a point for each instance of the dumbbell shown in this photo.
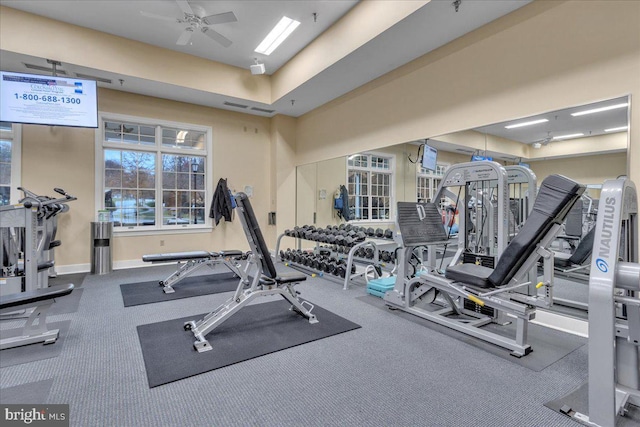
(361, 236)
(331, 267)
(315, 263)
(342, 226)
(339, 240)
(369, 253)
(388, 234)
(385, 256)
(379, 232)
(371, 232)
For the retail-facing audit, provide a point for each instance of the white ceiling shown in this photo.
(430, 27)
(255, 19)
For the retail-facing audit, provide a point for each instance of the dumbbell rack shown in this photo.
(377, 244)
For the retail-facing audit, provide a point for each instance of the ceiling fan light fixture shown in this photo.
(529, 123)
(280, 32)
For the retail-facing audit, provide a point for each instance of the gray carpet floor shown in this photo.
(391, 372)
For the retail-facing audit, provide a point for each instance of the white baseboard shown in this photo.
(562, 323)
(73, 268)
(131, 263)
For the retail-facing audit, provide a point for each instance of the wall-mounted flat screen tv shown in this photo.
(429, 157)
(47, 100)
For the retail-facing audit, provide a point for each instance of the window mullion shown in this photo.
(159, 175)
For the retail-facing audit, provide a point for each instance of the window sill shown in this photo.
(371, 221)
(164, 231)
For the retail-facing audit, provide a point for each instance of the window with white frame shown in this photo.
(154, 173)
(427, 182)
(9, 162)
(370, 186)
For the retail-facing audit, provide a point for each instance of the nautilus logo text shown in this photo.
(602, 265)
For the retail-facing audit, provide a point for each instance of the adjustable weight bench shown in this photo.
(41, 299)
(475, 294)
(267, 281)
(190, 262)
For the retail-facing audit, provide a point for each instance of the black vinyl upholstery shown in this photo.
(580, 255)
(472, 274)
(584, 249)
(37, 295)
(177, 256)
(555, 198)
(253, 232)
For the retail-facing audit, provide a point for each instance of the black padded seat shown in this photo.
(561, 259)
(54, 244)
(176, 256)
(42, 266)
(284, 278)
(555, 198)
(584, 249)
(230, 253)
(472, 274)
(37, 295)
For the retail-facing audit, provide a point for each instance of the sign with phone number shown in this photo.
(49, 100)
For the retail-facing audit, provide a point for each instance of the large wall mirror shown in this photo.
(588, 143)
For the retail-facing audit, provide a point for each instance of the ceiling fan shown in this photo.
(196, 19)
(542, 142)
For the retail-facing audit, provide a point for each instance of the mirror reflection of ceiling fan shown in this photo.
(542, 142)
(196, 20)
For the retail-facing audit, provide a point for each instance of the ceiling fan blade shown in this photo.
(220, 18)
(185, 37)
(217, 36)
(154, 16)
(185, 7)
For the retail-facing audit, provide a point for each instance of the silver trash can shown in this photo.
(101, 257)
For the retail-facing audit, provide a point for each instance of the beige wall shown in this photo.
(542, 57)
(65, 157)
(584, 169)
(539, 58)
(283, 174)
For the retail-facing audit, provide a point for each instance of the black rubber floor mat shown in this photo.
(254, 331)
(194, 286)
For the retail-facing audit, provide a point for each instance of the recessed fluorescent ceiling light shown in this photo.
(532, 122)
(617, 129)
(599, 110)
(573, 135)
(280, 32)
